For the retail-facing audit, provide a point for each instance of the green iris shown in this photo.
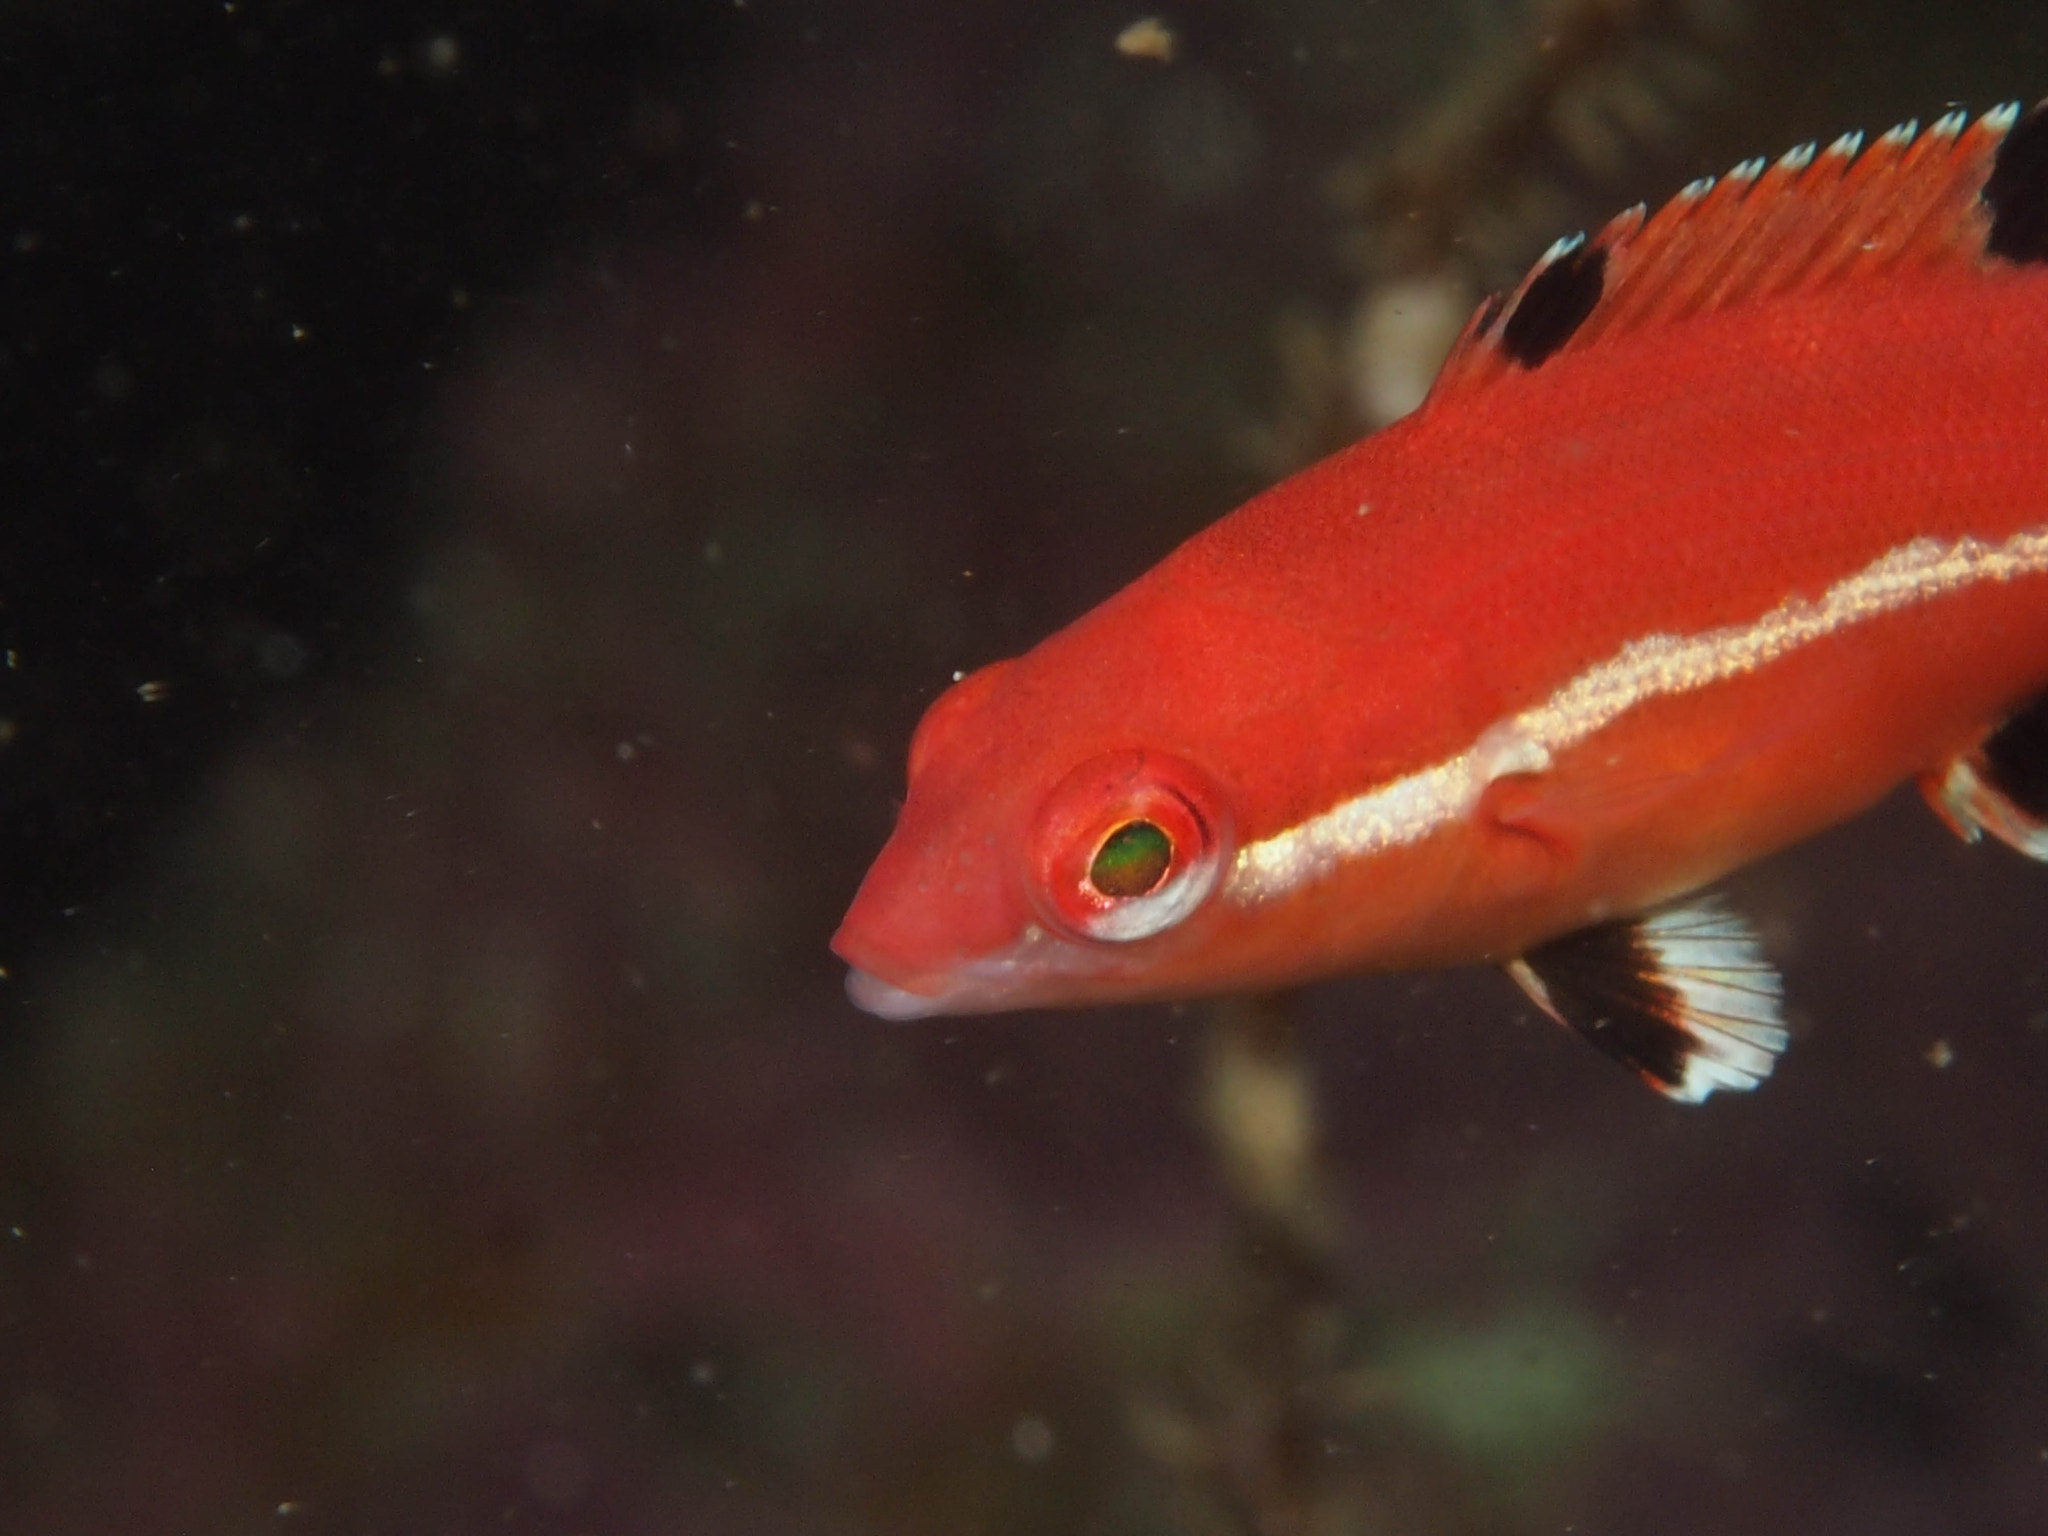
(1132, 860)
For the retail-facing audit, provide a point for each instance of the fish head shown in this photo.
(1034, 868)
(1132, 810)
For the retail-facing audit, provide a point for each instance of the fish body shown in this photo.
(1721, 526)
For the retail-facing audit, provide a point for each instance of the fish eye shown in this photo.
(1128, 845)
(1132, 860)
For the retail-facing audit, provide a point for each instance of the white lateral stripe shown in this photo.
(1410, 808)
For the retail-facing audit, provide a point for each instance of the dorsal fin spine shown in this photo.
(1784, 200)
(1922, 228)
(1713, 247)
(1918, 195)
(1811, 218)
(1784, 263)
(1748, 256)
(1862, 186)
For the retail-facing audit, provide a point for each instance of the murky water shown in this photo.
(492, 488)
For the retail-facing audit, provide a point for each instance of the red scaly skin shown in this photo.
(1379, 612)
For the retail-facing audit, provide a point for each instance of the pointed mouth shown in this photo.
(885, 1000)
(1038, 971)
(980, 985)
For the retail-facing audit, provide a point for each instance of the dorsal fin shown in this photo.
(1960, 193)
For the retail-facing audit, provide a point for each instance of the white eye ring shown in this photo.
(1139, 917)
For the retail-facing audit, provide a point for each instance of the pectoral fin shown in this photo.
(1682, 995)
(1999, 786)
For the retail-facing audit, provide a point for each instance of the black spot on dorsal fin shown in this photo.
(1555, 303)
(1682, 995)
(1999, 786)
(1910, 201)
(2017, 191)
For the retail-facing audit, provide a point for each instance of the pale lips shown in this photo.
(873, 995)
(1036, 971)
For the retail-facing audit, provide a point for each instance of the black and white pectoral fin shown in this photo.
(2000, 785)
(1681, 994)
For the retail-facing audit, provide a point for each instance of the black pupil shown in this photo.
(1131, 861)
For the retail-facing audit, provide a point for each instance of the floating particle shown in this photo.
(1149, 38)
(1031, 1438)
(442, 54)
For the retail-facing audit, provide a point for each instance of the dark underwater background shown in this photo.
(488, 489)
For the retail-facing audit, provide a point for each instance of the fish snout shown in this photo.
(886, 1000)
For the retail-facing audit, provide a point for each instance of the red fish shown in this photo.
(1721, 525)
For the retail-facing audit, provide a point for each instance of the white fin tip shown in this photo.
(1967, 799)
(1704, 1074)
(1682, 995)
